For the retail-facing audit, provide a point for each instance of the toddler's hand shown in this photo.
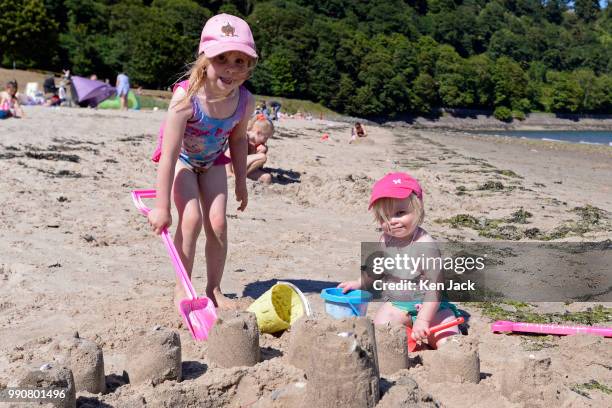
(350, 285)
(420, 330)
(159, 219)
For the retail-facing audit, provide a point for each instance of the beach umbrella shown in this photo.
(91, 92)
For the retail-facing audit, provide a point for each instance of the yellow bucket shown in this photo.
(279, 307)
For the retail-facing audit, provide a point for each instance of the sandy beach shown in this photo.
(76, 256)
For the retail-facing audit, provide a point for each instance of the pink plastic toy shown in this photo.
(199, 313)
(506, 326)
(412, 343)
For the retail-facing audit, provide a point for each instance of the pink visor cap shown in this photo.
(395, 185)
(223, 33)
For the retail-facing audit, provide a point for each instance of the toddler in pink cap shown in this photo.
(208, 113)
(397, 203)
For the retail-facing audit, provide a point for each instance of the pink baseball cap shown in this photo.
(395, 185)
(223, 33)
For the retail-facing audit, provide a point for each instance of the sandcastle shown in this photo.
(529, 378)
(456, 361)
(165, 345)
(86, 361)
(391, 347)
(51, 376)
(234, 340)
(340, 361)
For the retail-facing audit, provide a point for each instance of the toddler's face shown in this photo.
(258, 136)
(11, 90)
(229, 70)
(402, 221)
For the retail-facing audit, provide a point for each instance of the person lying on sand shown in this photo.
(397, 204)
(259, 131)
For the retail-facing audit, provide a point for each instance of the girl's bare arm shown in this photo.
(178, 113)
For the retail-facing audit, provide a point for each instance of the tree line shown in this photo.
(372, 58)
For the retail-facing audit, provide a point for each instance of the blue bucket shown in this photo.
(340, 305)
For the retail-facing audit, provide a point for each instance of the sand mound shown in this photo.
(86, 361)
(234, 340)
(154, 356)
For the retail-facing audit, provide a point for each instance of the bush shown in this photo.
(518, 115)
(502, 113)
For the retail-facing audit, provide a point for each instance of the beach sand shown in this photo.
(77, 256)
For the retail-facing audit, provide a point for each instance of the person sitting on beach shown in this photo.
(259, 130)
(9, 101)
(397, 204)
(206, 113)
(357, 131)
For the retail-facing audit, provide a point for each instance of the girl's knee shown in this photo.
(191, 220)
(218, 226)
(391, 314)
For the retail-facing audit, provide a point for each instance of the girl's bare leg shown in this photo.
(442, 316)
(391, 314)
(187, 200)
(254, 164)
(213, 190)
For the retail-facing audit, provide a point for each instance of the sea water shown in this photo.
(595, 137)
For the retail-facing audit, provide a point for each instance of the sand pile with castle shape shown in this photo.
(318, 360)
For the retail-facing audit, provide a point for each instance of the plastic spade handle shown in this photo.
(446, 325)
(506, 326)
(137, 196)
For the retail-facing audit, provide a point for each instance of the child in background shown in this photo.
(397, 203)
(357, 131)
(9, 102)
(207, 112)
(260, 129)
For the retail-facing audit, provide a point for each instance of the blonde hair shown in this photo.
(262, 123)
(197, 75)
(383, 209)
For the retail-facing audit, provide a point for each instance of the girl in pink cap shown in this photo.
(397, 203)
(208, 113)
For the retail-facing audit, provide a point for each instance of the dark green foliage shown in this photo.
(380, 58)
(27, 33)
(502, 113)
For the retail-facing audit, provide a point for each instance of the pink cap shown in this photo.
(395, 185)
(223, 33)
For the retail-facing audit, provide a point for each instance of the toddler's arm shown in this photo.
(350, 285)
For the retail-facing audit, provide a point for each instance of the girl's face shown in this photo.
(258, 136)
(402, 221)
(11, 90)
(229, 70)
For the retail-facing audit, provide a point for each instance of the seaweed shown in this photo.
(590, 214)
(460, 190)
(520, 216)
(523, 313)
(582, 389)
(492, 186)
(53, 156)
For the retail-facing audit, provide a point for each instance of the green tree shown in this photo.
(27, 33)
(510, 82)
(566, 93)
(282, 81)
(425, 93)
(587, 10)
